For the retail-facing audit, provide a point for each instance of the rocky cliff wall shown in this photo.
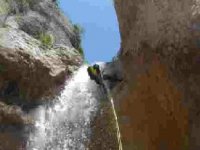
(158, 101)
(39, 49)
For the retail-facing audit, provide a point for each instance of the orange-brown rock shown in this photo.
(158, 101)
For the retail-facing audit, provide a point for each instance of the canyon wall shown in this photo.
(39, 50)
(158, 101)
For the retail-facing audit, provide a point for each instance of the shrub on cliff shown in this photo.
(18, 6)
(2, 68)
(57, 2)
(4, 7)
(46, 39)
(78, 30)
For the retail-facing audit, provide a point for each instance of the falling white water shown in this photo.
(65, 125)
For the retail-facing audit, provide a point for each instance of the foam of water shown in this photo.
(65, 124)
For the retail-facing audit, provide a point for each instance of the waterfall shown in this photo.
(65, 125)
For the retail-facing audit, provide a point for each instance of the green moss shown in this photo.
(22, 94)
(185, 143)
(46, 39)
(80, 49)
(2, 68)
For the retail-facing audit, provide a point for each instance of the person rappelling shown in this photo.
(99, 77)
(95, 74)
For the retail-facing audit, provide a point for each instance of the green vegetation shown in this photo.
(22, 94)
(18, 18)
(4, 7)
(15, 6)
(25, 3)
(185, 143)
(57, 3)
(78, 30)
(2, 68)
(46, 39)
(80, 49)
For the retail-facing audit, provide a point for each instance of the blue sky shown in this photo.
(101, 39)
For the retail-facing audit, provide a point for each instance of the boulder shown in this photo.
(34, 70)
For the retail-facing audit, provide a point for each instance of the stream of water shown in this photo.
(66, 124)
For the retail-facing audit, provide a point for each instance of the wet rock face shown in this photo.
(12, 123)
(104, 129)
(10, 142)
(13, 115)
(160, 60)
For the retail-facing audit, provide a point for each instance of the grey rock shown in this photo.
(112, 73)
(22, 55)
(40, 16)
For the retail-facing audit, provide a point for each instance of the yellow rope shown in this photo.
(117, 124)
